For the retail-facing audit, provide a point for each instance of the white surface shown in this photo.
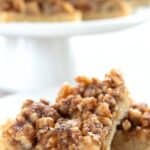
(74, 28)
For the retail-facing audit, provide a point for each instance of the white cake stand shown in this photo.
(37, 55)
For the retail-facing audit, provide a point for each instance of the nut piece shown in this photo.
(44, 122)
(103, 110)
(126, 125)
(106, 121)
(134, 114)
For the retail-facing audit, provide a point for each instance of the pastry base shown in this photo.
(16, 17)
(122, 111)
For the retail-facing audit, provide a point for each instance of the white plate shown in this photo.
(74, 28)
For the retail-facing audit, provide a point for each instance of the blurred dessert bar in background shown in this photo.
(37, 10)
(65, 10)
(94, 9)
(61, 10)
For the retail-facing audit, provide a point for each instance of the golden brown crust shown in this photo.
(12, 16)
(84, 116)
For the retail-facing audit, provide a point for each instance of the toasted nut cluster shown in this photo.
(138, 118)
(85, 111)
(36, 6)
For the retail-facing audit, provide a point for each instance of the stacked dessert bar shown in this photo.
(91, 115)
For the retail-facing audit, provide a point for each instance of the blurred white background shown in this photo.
(127, 50)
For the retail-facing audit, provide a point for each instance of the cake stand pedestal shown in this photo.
(30, 63)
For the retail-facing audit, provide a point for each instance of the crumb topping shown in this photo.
(138, 118)
(82, 113)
